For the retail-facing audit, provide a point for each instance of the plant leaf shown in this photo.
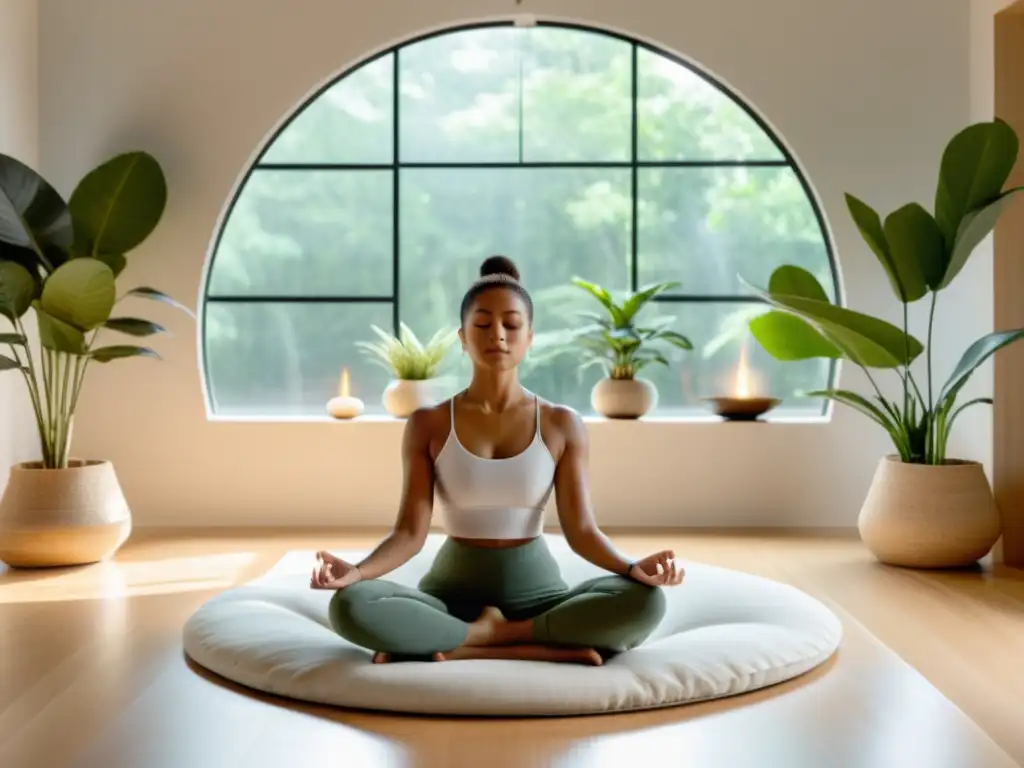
(602, 296)
(133, 326)
(24, 256)
(975, 227)
(13, 338)
(854, 400)
(32, 214)
(17, 289)
(974, 356)
(636, 301)
(877, 237)
(872, 411)
(866, 340)
(55, 334)
(115, 261)
(6, 364)
(118, 351)
(959, 410)
(118, 204)
(673, 338)
(917, 252)
(81, 292)
(796, 281)
(145, 292)
(976, 163)
(787, 337)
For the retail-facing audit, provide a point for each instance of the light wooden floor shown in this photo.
(930, 674)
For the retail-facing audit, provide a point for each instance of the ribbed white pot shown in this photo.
(929, 516)
(623, 398)
(403, 396)
(59, 517)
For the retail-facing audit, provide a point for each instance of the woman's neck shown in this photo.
(495, 391)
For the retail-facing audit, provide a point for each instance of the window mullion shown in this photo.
(634, 267)
(395, 213)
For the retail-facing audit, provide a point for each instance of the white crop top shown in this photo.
(494, 498)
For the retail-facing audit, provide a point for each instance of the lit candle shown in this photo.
(742, 405)
(344, 406)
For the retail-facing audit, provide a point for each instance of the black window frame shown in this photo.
(396, 165)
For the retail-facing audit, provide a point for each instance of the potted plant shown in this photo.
(924, 508)
(60, 260)
(412, 364)
(623, 347)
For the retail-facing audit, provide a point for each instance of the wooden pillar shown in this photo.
(1008, 267)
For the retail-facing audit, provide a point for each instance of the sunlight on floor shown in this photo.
(113, 579)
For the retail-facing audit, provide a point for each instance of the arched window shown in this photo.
(572, 151)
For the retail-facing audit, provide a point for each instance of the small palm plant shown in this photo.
(616, 341)
(404, 356)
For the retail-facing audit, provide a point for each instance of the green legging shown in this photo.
(609, 613)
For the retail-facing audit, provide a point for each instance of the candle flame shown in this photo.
(744, 384)
(343, 383)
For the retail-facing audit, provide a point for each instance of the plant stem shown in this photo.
(872, 380)
(930, 443)
(931, 320)
(47, 355)
(65, 402)
(29, 374)
(81, 364)
(32, 380)
(906, 359)
(913, 382)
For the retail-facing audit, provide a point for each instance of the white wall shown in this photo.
(202, 84)
(19, 137)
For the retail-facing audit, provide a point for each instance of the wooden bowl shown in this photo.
(741, 408)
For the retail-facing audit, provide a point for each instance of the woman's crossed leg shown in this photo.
(597, 618)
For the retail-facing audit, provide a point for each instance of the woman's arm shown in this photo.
(417, 504)
(572, 497)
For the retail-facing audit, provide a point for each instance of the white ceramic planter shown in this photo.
(403, 396)
(55, 517)
(623, 398)
(925, 516)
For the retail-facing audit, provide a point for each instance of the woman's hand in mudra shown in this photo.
(658, 570)
(333, 573)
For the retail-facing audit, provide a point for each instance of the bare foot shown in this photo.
(492, 628)
(525, 653)
(381, 658)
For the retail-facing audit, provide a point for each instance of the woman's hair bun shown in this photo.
(499, 265)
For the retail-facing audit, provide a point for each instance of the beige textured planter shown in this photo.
(925, 516)
(623, 398)
(403, 396)
(54, 517)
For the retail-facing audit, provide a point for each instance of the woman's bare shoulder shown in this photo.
(429, 423)
(561, 421)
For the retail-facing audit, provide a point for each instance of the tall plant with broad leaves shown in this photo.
(616, 340)
(61, 259)
(921, 252)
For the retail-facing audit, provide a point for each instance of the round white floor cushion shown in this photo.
(724, 633)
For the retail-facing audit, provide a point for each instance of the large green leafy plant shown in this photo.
(922, 252)
(405, 356)
(615, 339)
(61, 260)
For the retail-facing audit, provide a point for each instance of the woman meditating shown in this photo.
(495, 452)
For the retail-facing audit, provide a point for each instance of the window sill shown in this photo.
(380, 418)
